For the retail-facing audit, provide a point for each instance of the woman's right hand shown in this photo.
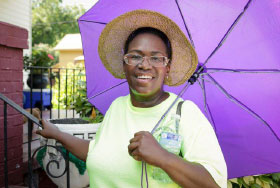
(49, 131)
(76, 146)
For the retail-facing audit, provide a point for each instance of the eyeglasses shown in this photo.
(155, 61)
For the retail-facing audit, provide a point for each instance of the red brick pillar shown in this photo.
(13, 40)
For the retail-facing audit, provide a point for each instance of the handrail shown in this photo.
(20, 109)
(31, 119)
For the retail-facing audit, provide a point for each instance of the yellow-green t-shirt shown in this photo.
(109, 165)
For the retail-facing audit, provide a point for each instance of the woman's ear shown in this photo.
(124, 68)
(168, 68)
(167, 72)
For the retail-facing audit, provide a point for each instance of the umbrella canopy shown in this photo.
(238, 43)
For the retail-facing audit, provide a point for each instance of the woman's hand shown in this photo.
(76, 146)
(49, 130)
(144, 147)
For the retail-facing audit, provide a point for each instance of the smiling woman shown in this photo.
(182, 151)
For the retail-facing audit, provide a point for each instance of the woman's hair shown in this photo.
(153, 31)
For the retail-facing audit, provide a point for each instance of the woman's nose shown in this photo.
(145, 63)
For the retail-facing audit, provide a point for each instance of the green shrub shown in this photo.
(76, 95)
(83, 107)
(261, 181)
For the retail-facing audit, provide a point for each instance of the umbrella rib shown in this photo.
(243, 70)
(186, 27)
(103, 23)
(228, 32)
(206, 106)
(104, 91)
(203, 78)
(243, 106)
(204, 97)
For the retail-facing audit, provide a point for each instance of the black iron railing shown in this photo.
(70, 76)
(66, 84)
(31, 120)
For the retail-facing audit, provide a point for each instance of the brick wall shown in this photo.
(13, 40)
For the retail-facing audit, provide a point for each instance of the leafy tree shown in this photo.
(51, 21)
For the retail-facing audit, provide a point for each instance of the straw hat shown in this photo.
(114, 35)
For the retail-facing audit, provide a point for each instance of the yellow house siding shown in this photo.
(69, 48)
(68, 56)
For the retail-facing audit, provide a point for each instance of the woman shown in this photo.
(148, 50)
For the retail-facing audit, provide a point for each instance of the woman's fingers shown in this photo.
(49, 130)
(135, 155)
(138, 136)
(133, 151)
(141, 133)
(135, 139)
(38, 132)
(43, 121)
(136, 143)
(144, 147)
(131, 147)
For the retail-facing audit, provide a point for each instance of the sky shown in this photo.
(86, 3)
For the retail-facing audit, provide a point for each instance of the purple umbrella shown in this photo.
(238, 45)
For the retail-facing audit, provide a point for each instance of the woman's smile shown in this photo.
(143, 78)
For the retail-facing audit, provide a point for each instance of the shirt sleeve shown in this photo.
(200, 144)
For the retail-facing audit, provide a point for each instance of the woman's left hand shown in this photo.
(144, 147)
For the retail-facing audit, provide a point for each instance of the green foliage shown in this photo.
(261, 181)
(76, 95)
(98, 119)
(83, 107)
(65, 87)
(51, 21)
(41, 56)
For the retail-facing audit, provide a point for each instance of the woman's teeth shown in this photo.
(144, 77)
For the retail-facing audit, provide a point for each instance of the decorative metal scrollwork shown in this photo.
(55, 161)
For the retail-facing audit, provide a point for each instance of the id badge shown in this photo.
(171, 142)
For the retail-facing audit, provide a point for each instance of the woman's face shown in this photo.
(144, 79)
